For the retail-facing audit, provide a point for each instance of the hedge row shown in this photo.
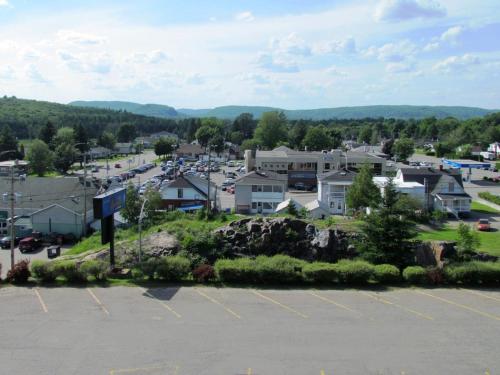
(282, 269)
(490, 197)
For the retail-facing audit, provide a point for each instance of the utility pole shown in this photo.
(209, 206)
(12, 228)
(85, 194)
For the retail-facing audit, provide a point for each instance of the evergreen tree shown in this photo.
(81, 138)
(291, 209)
(387, 232)
(363, 192)
(8, 143)
(47, 134)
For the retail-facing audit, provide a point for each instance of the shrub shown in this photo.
(96, 268)
(173, 268)
(354, 271)
(137, 274)
(203, 273)
(242, 270)
(386, 273)
(20, 273)
(415, 275)
(149, 267)
(435, 275)
(70, 271)
(43, 270)
(490, 197)
(279, 269)
(319, 272)
(473, 273)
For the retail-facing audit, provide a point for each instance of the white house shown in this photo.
(317, 209)
(332, 190)
(411, 188)
(444, 188)
(283, 206)
(187, 193)
(124, 148)
(495, 148)
(259, 192)
(57, 219)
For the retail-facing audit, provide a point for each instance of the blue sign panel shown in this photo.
(108, 203)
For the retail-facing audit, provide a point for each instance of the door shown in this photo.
(259, 207)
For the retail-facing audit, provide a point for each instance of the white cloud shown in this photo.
(347, 45)
(7, 72)
(291, 44)
(256, 78)
(34, 74)
(195, 79)
(400, 67)
(244, 16)
(335, 71)
(401, 10)
(392, 52)
(277, 64)
(77, 38)
(456, 63)
(431, 47)
(4, 3)
(86, 63)
(451, 35)
(153, 57)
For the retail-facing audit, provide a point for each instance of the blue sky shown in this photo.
(290, 54)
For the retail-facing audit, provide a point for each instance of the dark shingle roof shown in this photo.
(261, 177)
(340, 175)
(430, 176)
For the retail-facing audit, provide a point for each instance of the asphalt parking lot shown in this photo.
(204, 330)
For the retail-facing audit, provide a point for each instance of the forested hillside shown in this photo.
(156, 110)
(26, 117)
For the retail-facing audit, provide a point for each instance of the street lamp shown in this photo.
(12, 199)
(84, 188)
(141, 217)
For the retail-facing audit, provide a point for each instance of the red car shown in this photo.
(118, 165)
(483, 225)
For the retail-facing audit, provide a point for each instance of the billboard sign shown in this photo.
(108, 203)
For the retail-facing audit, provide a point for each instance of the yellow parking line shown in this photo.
(99, 303)
(481, 294)
(387, 302)
(42, 303)
(132, 370)
(322, 372)
(279, 304)
(161, 303)
(465, 307)
(249, 371)
(329, 300)
(217, 303)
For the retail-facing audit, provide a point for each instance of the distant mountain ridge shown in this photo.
(231, 111)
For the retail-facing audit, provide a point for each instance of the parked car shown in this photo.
(118, 165)
(483, 225)
(300, 186)
(95, 170)
(5, 242)
(29, 244)
(230, 189)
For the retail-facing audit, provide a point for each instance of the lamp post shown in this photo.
(12, 200)
(84, 188)
(141, 217)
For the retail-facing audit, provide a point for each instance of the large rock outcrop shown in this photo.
(294, 237)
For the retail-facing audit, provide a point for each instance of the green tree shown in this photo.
(403, 148)
(335, 137)
(365, 134)
(442, 149)
(249, 144)
(271, 129)
(152, 206)
(245, 124)
(64, 157)
(363, 192)
(47, 134)
(467, 243)
(291, 209)
(81, 138)
(164, 146)
(297, 134)
(387, 147)
(126, 133)
(107, 139)
(8, 143)
(133, 204)
(64, 136)
(464, 151)
(236, 137)
(317, 139)
(387, 232)
(40, 157)
(204, 134)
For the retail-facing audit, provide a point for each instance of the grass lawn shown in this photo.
(482, 208)
(490, 241)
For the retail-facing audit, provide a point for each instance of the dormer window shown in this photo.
(451, 187)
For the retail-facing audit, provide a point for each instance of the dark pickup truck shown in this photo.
(29, 244)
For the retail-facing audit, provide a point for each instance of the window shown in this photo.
(254, 205)
(180, 193)
(327, 165)
(267, 206)
(256, 188)
(278, 189)
(451, 187)
(268, 188)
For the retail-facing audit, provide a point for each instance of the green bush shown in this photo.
(279, 269)
(473, 273)
(70, 271)
(354, 271)
(242, 270)
(43, 270)
(137, 274)
(96, 268)
(173, 268)
(319, 272)
(386, 273)
(415, 275)
(149, 267)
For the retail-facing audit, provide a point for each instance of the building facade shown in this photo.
(259, 192)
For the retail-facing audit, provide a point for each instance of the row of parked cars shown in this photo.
(35, 241)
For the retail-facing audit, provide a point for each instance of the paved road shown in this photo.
(186, 331)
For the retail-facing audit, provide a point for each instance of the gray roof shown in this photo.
(194, 182)
(430, 176)
(340, 175)
(261, 177)
(40, 192)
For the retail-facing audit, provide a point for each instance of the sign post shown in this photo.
(105, 206)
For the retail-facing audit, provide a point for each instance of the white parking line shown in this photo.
(99, 303)
(42, 303)
(161, 303)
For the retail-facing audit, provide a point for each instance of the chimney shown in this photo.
(441, 167)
